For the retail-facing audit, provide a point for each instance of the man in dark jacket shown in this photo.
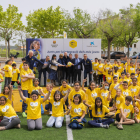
(60, 70)
(87, 67)
(77, 69)
(65, 70)
(32, 59)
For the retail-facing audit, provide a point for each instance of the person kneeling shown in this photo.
(123, 113)
(77, 110)
(34, 120)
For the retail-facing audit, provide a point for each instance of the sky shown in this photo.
(91, 6)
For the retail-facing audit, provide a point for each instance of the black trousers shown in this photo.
(70, 74)
(8, 80)
(77, 72)
(100, 79)
(13, 82)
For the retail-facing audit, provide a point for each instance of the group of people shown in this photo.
(114, 93)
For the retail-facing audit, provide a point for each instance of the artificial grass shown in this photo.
(44, 134)
(130, 132)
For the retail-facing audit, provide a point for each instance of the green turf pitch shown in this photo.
(130, 132)
(44, 134)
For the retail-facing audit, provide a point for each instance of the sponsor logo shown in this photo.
(73, 44)
(54, 44)
(92, 44)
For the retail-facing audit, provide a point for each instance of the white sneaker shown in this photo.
(50, 112)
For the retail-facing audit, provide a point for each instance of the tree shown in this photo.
(110, 26)
(81, 25)
(46, 23)
(11, 21)
(131, 27)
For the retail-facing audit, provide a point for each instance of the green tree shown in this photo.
(110, 26)
(46, 23)
(11, 22)
(80, 24)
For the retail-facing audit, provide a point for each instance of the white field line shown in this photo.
(69, 131)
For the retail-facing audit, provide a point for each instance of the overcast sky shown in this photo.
(91, 6)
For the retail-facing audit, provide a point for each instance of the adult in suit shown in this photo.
(87, 67)
(42, 68)
(78, 68)
(65, 58)
(32, 59)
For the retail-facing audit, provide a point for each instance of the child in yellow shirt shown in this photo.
(128, 79)
(8, 72)
(123, 113)
(77, 110)
(15, 73)
(64, 89)
(26, 83)
(57, 110)
(116, 73)
(1, 80)
(21, 65)
(98, 114)
(109, 77)
(137, 109)
(34, 120)
(48, 105)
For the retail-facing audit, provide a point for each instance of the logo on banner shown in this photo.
(92, 44)
(54, 44)
(73, 44)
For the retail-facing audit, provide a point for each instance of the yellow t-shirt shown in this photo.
(134, 90)
(21, 67)
(77, 110)
(95, 65)
(118, 74)
(57, 108)
(34, 88)
(34, 108)
(131, 69)
(138, 106)
(104, 96)
(28, 83)
(9, 68)
(100, 68)
(7, 110)
(119, 101)
(129, 80)
(63, 90)
(100, 113)
(126, 92)
(113, 91)
(9, 101)
(15, 74)
(129, 109)
(107, 68)
(115, 65)
(73, 92)
(1, 77)
(120, 68)
(109, 78)
(13, 62)
(51, 95)
(92, 94)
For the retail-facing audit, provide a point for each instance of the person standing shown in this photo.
(87, 67)
(70, 69)
(78, 68)
(60, 69)
(32, 59)
(65, 70)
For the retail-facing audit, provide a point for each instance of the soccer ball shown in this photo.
(69, 64)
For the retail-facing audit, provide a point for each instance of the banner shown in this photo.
(44, 47)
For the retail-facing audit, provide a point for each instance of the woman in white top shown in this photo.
(53, 69)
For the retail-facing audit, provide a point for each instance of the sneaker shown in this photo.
(107, 126)
(119, 126)
(24, 115)
(116, 123)
(50, 112)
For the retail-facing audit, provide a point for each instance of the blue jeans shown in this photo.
(76, 126)
(24, 105)
(48, 106)
(104, 122)
(42, 109)
(85, 76)
(44, 74)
